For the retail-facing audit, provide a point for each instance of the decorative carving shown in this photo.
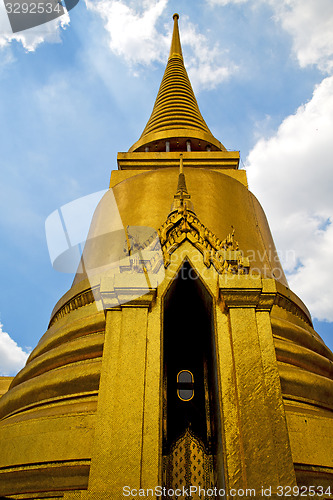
(83, 299)
(143, 249)
(147, 252)
(183, 224)
(290, 306)
(241, 298)
(188, 464)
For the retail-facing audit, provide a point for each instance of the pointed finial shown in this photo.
(181, 189)
(176, 48)
(182, 200)
(181, 164)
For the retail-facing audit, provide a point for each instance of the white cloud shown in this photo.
(12, 357)
(133, 35)
(31, 38)
(205, 62)
(308, 22)
(225, 2)
(313, 281)
(292, 175)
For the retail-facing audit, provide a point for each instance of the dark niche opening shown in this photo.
(190, 381)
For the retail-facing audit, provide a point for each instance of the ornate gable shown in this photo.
(183, 224)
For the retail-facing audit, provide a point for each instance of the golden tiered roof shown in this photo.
(176, 116)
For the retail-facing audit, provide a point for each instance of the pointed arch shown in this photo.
(189, 345)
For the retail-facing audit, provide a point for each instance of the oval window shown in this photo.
(185, 383)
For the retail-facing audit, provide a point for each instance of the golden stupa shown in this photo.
(179, 358)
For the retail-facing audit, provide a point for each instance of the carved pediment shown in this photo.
(183, 225)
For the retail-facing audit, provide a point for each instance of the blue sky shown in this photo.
(81, 88)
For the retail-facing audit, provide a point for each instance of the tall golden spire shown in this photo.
(176, 123)
(176, 48)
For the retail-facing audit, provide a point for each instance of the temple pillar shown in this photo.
(255, 429)
(128, 394)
